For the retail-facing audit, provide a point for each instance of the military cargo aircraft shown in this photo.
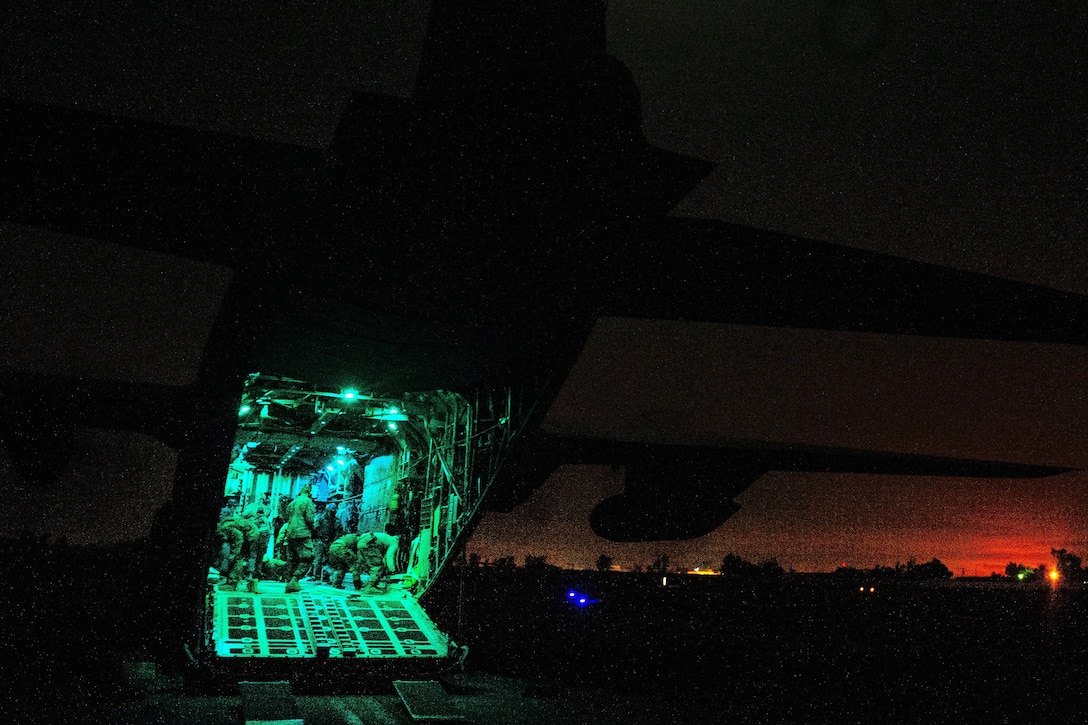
(395, 312)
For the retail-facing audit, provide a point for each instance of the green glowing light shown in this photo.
(244, 409)
(392, 425)
(1020, 576)
(350, 394)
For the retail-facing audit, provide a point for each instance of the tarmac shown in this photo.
(472, 697)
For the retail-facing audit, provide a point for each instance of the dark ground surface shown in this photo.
(704, 649)
(799, 649)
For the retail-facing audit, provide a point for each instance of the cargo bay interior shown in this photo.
(413, 467)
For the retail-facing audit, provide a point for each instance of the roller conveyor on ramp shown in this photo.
(323, 622)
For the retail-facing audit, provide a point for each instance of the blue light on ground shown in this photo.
(580, 600)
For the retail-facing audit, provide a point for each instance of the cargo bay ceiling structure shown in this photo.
(420, 287)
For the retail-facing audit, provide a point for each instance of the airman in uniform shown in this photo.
(297, 533)
(240, 535)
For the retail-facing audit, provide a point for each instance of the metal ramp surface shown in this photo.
(426, 700)
(323, 622)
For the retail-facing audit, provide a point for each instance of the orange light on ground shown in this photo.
(1054, 575)
(703, 572)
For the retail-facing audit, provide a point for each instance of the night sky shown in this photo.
(942, 133)
(933, 131)
(649, 380)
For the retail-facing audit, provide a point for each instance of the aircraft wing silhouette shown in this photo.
(220, 199)
(682, 491)
(513, 201)
(709, 271)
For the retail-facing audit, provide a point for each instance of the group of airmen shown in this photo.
(246, 536)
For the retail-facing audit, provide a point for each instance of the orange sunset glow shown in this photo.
(723, 385)
(815, 522)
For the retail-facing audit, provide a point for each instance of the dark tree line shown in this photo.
(734, 565)
(933, 570)
(1066, 564)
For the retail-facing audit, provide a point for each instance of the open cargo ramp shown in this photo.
(322, 622)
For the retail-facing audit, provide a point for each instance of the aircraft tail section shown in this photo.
(712, 271)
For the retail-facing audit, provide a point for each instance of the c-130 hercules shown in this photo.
(404, 304)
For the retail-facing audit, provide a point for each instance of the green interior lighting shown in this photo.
(285, 429)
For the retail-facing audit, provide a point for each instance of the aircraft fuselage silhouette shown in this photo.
(417, 291)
